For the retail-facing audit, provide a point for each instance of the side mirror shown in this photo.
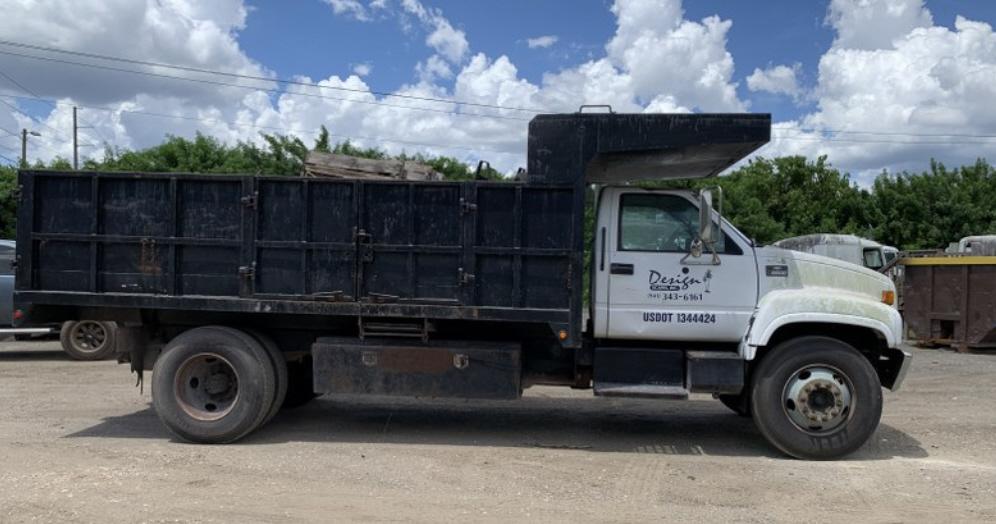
(706, 229)
(708, 232)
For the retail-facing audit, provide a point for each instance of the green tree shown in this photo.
(322, 143)
(8, 201)
(928, 210)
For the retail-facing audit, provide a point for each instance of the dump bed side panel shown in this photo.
(455, 249)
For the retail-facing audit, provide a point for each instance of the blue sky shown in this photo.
(307, 38)
(901, 82)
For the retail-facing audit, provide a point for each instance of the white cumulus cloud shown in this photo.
(541, 42)
(925, 94)
(875, 24)
(364, 12)
(780, 79)
(363, 69)
(446, 40)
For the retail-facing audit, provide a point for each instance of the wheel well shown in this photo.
(867, 341)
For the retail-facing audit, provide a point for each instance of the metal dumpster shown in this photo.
(951, 301)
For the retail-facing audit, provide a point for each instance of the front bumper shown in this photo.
(893, 367)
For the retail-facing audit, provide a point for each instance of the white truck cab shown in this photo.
(649, 286)
(667, 269)
(849, 248)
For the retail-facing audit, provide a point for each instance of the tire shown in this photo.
(833, 417)
(88, 339)
(280, 366)
(300, 387)
(739, 403)
(213, 385)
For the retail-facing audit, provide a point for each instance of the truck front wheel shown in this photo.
(816, 398)
(213, 385)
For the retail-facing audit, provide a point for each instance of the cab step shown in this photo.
(616, 389)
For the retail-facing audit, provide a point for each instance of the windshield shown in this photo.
(873, 258)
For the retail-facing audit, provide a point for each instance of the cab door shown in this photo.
(655, 290)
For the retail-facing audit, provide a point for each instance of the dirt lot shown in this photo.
(78, 443)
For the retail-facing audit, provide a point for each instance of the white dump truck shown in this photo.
(249, 293)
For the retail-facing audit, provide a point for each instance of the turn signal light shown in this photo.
(562, 335)
(889, 297)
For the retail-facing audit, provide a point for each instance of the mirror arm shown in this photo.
(690, 258)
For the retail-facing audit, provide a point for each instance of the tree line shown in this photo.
(767, 198)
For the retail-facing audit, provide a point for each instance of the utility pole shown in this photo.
(24, 145)
(76, 147)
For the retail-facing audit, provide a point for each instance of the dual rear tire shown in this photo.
(216, 384)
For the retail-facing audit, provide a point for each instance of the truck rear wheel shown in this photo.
(88, 339)
(279, 366)
(816, 398)
(213, 385)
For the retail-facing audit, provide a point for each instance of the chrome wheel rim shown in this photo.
(818, 399)
(206, 387)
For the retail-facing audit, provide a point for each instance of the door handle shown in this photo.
(621, 269)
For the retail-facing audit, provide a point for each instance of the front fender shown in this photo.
(790, 306)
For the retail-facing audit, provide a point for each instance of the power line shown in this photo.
(9, 160)
(15, 108)
(34, 94)
(261, 78)
(354, 90)
(894, 142)
(265, 89)
(802, 131)
(38, 121)
(209, 121)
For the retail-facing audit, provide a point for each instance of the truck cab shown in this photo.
(849, 248)
(676, 286)
(662, 274)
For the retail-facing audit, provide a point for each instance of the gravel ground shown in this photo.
(79, 443)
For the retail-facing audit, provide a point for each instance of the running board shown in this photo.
(616, 389)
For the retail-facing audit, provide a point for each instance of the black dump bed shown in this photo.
(434, 250)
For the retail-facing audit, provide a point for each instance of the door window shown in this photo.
(7, 260)
(660, 223)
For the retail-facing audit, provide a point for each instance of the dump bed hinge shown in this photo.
(467, 207)
(250, 200)
(247, 272)
(464, 278)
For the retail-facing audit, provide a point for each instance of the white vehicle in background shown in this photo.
(978, 245)
(849, 248)
(890, 253)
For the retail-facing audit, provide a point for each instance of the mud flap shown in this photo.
(132, 346)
